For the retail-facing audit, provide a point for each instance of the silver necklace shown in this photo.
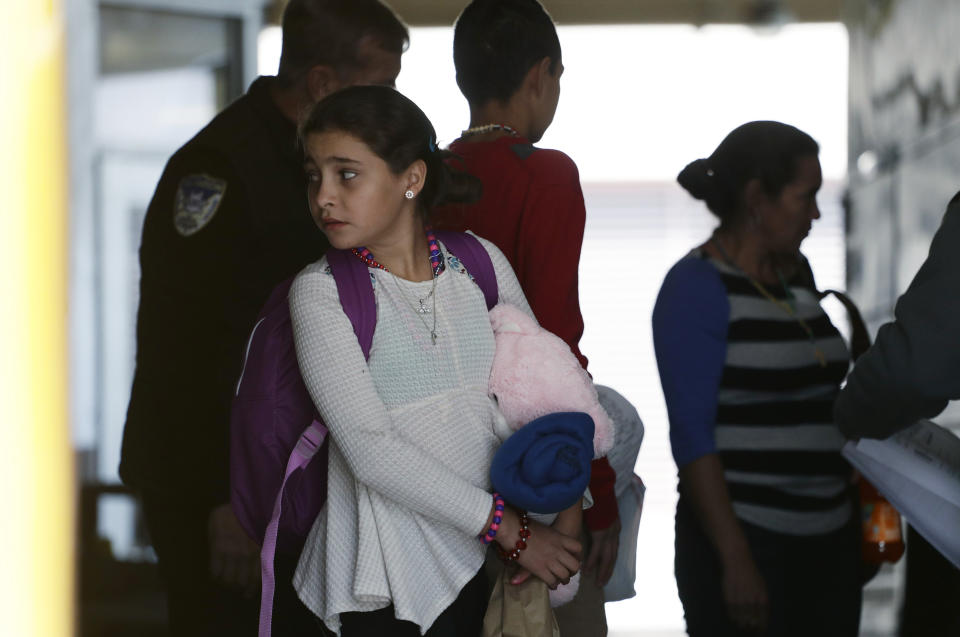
(423, 309)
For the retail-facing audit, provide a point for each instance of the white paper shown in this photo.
(918, 471)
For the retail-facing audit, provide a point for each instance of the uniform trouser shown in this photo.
(813, 583)
(196, 605)
(931, 591)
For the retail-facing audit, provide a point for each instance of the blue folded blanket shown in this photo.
(544, 467)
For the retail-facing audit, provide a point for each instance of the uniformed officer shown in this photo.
(228, 221)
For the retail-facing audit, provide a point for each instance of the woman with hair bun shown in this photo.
(767, 536)
(400, 545)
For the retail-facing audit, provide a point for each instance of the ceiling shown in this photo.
(444, 12)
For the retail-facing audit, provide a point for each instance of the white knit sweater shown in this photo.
(412, 437)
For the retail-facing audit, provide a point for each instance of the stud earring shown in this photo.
(409, 194)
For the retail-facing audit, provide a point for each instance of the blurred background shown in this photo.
(99, 93)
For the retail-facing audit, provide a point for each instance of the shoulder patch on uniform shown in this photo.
(198, 197)
(523, 151)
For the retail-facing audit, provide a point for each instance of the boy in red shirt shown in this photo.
(508, 63)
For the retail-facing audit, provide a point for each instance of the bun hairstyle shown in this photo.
(398, 132)
(763, 150)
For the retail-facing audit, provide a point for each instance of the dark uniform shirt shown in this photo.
(228, 221)
(913, 369)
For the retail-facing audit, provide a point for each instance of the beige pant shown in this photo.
(582, 617)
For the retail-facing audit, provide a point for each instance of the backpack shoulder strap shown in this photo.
(476, 260)
(356, 295)
(360, 305)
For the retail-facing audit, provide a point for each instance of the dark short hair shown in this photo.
(495, 44)
(327, 32)
(763, 150)
(398, 132)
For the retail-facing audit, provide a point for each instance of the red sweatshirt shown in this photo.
(532, 208)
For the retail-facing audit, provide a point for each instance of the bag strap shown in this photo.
(304, 451)
(476, 260)
(859, 335)
(356, 295)
(360, 305)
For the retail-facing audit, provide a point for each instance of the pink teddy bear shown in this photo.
(534, 373)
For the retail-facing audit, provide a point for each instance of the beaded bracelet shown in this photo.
(498, 506)
(521, 544)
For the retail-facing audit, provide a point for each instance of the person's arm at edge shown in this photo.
(184, 301)
(704, 486)
(192, 288)
(913, 368)
(689, 330)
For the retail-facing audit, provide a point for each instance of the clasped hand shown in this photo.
(550, 555)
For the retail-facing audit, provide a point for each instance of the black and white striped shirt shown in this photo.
(742, 379)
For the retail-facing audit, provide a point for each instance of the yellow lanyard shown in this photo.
(817, 352)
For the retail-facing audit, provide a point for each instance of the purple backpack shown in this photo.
(275, 430)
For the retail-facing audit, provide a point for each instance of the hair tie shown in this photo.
(432, 145)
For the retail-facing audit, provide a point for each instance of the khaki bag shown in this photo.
(519, 611)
